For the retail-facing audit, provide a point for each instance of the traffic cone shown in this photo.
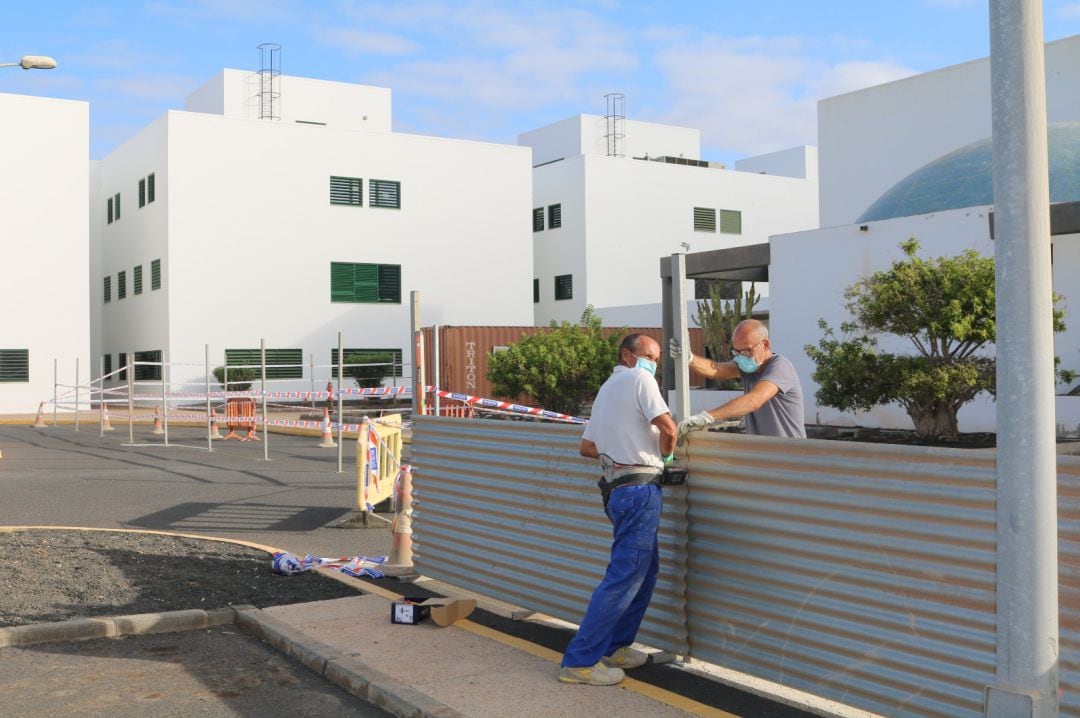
(157, 421)
(105, 425)
(215, 433)
(327, 437)
(39, 422)
(400, 561)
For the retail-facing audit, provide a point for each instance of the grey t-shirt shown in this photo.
(783, 414)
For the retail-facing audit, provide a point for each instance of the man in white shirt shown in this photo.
(633, 434)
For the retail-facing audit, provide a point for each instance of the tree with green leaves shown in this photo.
(561, 368)
(240, 377)
(945, 307)
(370, 368)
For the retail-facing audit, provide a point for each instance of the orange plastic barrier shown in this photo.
(240, 414)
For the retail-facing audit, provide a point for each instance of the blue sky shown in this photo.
(747, 74)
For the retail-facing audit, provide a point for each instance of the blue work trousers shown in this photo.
(618, 604)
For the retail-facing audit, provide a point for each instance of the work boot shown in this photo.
(598, 675)
(625, 658)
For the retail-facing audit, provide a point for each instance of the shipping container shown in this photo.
(464, 352)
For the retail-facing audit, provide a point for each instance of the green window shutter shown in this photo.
(136, 279)
(538, 219)
(384, 193)
(280, 363)
(148, 372)
(731, 221)
(536, 291)
(155, 274)
(107, 289)
(14, 365)
(108, 205)
(554, 216)
(704, 219)
(341, 282)
(564, 286)
(347, 190)
(142, 193)
(368, 356)
(121, 285)
(116, 205)
(390, 283)
(150, 188)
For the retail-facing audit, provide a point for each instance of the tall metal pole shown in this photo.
(340, 399)
(435, 367)
(76, 393)
(165, 394)
(101, 395)
(209, 406)
(55, 387)
(1026, 681)
(266, 417)
(129, 372)
(682, 333)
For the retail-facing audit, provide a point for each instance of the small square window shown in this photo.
(150, 188)
(155, 274)
(108, 205)
(564, 287)
(106, 365)
(347, 190)
(142, 193)
(121, 285)
(538, 219)
(136, 279)
(14, 365)
(116, 205)
(384, 193)
(122, 363)
(107, 289)
(731, 221)
(704, 219)
(536, 291)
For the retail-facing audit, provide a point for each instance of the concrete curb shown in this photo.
(85, 629)
(343, 669)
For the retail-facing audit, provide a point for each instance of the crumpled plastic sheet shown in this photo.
(287, 564)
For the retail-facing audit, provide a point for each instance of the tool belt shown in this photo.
(634, 479)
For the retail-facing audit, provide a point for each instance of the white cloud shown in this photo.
(361, 42)
(754, 95)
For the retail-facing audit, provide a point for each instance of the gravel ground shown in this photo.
(57, 575)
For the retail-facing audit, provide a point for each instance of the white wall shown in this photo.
(586, 135)
(808, 276)
(801, 162)
(44, 245)
(235, 93)
(252, 235)
(873, 138)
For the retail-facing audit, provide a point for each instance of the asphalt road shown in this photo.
(58, 476)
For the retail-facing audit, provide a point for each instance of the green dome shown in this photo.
(963, 178)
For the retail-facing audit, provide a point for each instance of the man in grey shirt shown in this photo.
(772, 399)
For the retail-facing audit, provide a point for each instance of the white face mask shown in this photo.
(646, 364)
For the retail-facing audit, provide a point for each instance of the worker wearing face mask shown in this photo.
(632, 433)
(772, 399)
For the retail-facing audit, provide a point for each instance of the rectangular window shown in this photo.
(704, 219)
(150, 188)
(384, 193)
(116, 205)
(122, 360)
(536, 291)
(136, 279)
(108, 205)
(347, 190)
(564, 286)
(106, 364)
(121, 285)
(142, 193)
(365, 283)
(150, 371)
(106, 287)
(387, 362)
(731, 221)
(280, 363)
(155, 274)
(538, 219)
(14, 365)
(554, 216)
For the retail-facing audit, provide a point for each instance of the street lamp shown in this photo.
(32, 62)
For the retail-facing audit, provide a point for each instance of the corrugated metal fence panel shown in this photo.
(863, 573)
(508, 509)
(1069, 583)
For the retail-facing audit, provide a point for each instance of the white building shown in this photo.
(912, 158)
(601, 223)
(44, 253)
(213, 227)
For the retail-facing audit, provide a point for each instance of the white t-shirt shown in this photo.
(621, 418)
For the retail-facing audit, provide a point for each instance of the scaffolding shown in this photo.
(269, 81)
(615, 120)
